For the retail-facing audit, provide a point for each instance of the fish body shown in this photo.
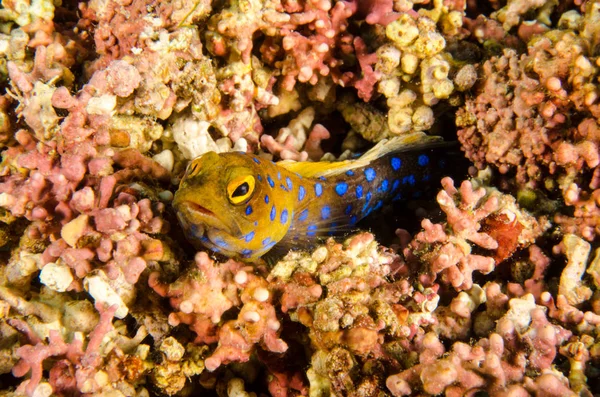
(242, 206)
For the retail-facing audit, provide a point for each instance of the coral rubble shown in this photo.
(104, 103)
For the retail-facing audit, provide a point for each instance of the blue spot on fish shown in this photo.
(318, 189)
(397, 197)
(273, 213)
(278, 175)
(288, 181)
(365, 209)
(270, 245)
(423, 160)
(396, 163)
(322, 178)
(246, 252)
(249, 237)
(370, 174)
(271, 183)
(266, 241)
(384, 185)
(359, 191)
(426, 177)
(348, 209)
(266, 199)
(248, 210)
(325, 212)
(220, 242)
(259, 177)
(257, 161)
(341, 188)
(410, 179)
(301, 193)
(350, 173)
(378, 205)
(395, 185)
(284, 216)
(303, 215)
(353, 219)
(311, 230)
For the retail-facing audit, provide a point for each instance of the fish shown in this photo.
(243, 206)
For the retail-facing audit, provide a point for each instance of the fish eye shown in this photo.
(193, 168)
(240, 189)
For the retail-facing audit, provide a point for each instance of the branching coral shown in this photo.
(340, 294)
(106, 102)
(204, 295)
(296, 142)
(108, 362)
(475, 218)
(488, 366)
(518, 121)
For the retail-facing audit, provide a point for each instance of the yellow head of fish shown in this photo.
(228, 203)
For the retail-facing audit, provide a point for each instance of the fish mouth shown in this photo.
(198, 208)
(195, 214)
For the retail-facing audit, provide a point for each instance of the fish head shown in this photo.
(224, 203)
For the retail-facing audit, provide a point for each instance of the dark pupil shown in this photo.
(241, 190)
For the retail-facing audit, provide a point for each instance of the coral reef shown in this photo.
(104, 103)
(536, 115)
(476, 218)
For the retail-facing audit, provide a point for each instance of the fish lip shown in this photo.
(200, 214)
(198, 208)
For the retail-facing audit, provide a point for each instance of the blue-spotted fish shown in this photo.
(242, 206)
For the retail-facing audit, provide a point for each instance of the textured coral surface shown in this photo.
(494, 291)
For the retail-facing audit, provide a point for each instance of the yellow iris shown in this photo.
(240, 189)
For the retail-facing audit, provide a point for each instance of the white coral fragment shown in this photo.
(577, 251)
(99, 287)
(102, 105)
(166, 159)
(56, 276)
(519, 313)
(192, 137)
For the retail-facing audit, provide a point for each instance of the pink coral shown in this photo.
(104, 99)
(287, 150)
(79, 365)
(496, 364)
(205, 294)
(525, 130)
(378, 11)
(467, 210)
(118, 31)
(302, 39)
